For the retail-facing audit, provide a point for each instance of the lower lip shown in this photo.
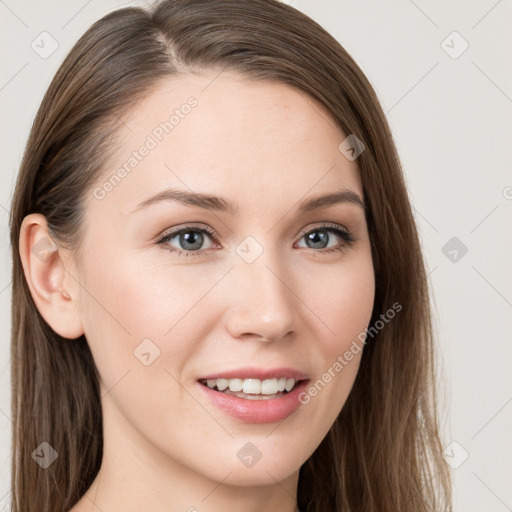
(257, 411)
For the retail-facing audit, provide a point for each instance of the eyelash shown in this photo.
(346, 235)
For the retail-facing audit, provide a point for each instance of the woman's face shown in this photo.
(270, 291)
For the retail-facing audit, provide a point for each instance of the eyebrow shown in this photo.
(220, 204)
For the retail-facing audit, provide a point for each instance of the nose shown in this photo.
(262, 304)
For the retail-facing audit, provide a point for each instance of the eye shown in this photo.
(189, 239)
(319, 238)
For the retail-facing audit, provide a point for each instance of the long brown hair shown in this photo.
(383, 452)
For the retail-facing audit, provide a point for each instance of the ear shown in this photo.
(53, 288)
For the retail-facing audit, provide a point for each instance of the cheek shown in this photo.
(132, 308)
(120, 308)
(130, 296)
(342, 297)
(128, 308)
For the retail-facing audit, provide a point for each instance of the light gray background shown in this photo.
(452, 122)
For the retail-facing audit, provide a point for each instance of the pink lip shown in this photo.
(257, 411)
(258, 373)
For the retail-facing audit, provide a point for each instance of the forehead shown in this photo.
(228, 135)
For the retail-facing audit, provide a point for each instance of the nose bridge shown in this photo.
(263, 302)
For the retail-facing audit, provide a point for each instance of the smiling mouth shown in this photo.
(252, 389)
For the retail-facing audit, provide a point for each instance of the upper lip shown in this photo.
(258, 373)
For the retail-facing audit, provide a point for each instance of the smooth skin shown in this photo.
(265, 147)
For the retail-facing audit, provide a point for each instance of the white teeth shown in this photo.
(253, 386)
(235, 384)
(269, 387)
(222, 384)
(289, 384)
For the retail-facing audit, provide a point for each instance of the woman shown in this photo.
(219, 298)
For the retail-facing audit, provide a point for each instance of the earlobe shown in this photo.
(44, 264)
